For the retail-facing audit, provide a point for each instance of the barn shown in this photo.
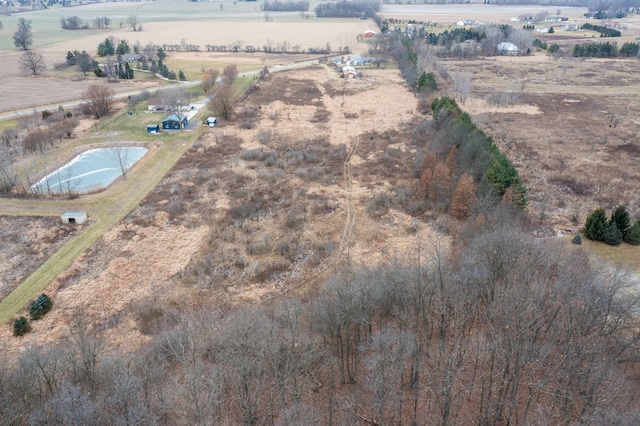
(74, 217)
(173, 122)
(369, 33)
(153, 128)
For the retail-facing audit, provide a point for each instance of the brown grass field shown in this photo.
(311, 173)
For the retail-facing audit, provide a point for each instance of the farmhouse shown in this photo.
(467, 22)
(155, 104)
(74, 217)
(173, 122)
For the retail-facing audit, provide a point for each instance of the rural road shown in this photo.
(70, 104)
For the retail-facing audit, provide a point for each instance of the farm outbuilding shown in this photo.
(173, 122)
(349, 72)
(211, 121)
(369, 33)
(153, 128)
(508, 48)
(74, 217)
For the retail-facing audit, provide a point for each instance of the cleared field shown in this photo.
(163, 23)
(481, 12)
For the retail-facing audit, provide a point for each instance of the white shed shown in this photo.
(74, 217)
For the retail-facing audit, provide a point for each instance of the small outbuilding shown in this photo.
(172, 122)
(153, 128)
(507, 48)
(349, 72)
(74, 217)
(211, 121)
(369, 33)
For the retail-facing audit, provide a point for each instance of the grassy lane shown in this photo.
(108, 209)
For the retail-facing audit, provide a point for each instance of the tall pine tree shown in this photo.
(596, 225)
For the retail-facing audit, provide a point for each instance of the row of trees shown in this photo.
(343, 9)
(605, 50)
(463, 167)
(615, 230)
(76, 23)
(288, 6)
(604, 31)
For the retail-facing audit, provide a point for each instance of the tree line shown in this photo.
(344, 9)
(285, 6)
(76, 23)
(604, 31)
(606, 50)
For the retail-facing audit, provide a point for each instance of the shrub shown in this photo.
(39, 307)
(577, 239)
(175, 207)
(21, 326)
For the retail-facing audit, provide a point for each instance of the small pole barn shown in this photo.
(74, 218)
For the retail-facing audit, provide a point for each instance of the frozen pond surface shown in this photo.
(90, 171)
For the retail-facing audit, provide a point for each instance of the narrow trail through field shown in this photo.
(347, 232)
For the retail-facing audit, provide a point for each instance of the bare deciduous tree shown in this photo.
(462, 85)
(98, 101)
(175, 101)
(229, 74)
(222, 101)
(32, 63)
(133, 21)
(209, 79)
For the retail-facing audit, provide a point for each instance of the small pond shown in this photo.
(90, 171)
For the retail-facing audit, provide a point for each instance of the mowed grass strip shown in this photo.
(113, 207)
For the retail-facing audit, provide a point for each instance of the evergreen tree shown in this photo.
(21, 326)
(181, 76)
(596, 225)
(427, 82)
(106, 48)
(621, 218)
(612, 235)
(39, 307)
(633, 234)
